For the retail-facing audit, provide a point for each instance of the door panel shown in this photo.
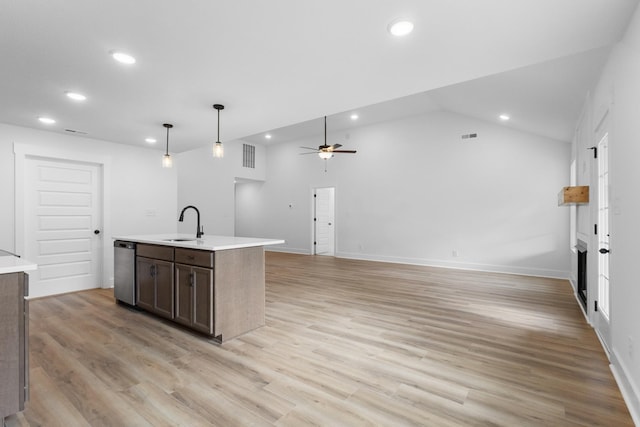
(203, 300)
(145, 283)
(602, 316)
(164, 305)
(62, 210)
(324, 221)
(184, 294)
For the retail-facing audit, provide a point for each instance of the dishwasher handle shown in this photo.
(124, 245)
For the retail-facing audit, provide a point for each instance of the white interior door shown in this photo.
(62, 225)
(324, 219)
(603, 313)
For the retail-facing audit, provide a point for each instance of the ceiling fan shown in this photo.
(327, 151)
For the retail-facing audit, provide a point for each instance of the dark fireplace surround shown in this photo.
(582, 273)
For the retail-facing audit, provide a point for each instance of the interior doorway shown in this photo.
(324, 221)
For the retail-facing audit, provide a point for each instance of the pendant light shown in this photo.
(166, 159)
(218, 149)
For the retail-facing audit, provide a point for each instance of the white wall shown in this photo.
(416, 191)
(209, 184)
(143, 195)
(619, 91)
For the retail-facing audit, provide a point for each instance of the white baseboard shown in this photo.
(629, 390)
(506, 269)
(287, 250)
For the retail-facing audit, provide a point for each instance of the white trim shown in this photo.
(288, 250)
(500, 269)
(504, 269)
(21, 152)
(628, 389)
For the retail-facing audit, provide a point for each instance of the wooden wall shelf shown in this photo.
(576, 195)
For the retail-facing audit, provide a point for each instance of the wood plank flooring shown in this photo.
(347, 343)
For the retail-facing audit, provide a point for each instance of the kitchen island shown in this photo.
(212, 284)
(14, 333)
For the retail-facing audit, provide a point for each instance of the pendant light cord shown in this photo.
(167, 126)
(167, 152)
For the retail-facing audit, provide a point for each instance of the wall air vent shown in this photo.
(248, 156)
(470, 135)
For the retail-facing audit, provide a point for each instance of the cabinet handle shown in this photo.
(152, 271)
(191, 279)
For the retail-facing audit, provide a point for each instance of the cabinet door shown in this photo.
(10, 295)
(202, 319)
(145, 283)
(184, 294)
(164, 304)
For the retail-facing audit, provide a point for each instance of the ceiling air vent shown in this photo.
(248, 156)
(77, 132)
(470, 135)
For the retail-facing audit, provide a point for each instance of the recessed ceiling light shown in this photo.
(354, 117)
(504, 117)
(151, 140)
(123, 57)
(76, 96)
(400, 27)
(46, 120)
(268, 136)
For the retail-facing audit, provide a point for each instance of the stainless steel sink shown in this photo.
(178, 240)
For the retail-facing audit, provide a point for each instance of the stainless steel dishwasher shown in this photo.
(124, 275)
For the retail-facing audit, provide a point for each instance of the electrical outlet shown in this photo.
(454, 253)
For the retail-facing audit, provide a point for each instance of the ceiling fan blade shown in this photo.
(344, 151)
(309, 148)
(314, 152)
(334, 146)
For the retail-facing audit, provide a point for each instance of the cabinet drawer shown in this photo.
(155, 252)
(194, 257)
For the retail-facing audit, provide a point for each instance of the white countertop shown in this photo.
(206, 243)
(13, 264)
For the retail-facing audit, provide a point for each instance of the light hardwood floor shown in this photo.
(347, 343)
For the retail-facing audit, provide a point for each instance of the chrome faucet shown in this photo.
(199, 230)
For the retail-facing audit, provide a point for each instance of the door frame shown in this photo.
(21, 153)
(601, 326)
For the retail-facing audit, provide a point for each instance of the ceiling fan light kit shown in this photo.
(325, 152)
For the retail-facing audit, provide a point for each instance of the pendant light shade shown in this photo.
(218, 149)
(167, 162)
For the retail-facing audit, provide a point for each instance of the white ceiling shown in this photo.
(282, 62)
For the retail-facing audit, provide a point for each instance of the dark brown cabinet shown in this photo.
(14, 341)
(194, 297)
(155, 280)
(145, 283)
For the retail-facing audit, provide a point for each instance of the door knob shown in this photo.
(604, 251)
(96, 231)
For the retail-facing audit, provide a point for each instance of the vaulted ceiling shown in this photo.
(282, 62)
